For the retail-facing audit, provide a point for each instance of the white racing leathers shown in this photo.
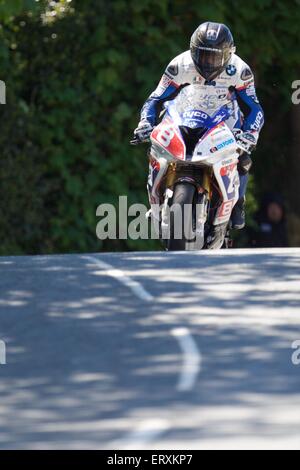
(234, 85)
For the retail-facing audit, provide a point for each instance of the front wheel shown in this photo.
(181, 217)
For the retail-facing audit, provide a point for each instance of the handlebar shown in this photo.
(137, 141)
(242, 149)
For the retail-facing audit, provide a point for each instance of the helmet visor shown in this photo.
(209, 61)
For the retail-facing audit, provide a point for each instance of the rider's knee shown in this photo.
(245, 164)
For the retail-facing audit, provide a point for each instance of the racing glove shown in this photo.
(247, 140)
(143, 131)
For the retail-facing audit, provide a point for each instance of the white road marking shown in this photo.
(149, 430)
(237, 252)
(191, 359)
(144, 433)
(108, 270)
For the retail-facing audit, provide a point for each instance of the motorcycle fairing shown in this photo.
(167, 137)
(216, 148)
(228, 180)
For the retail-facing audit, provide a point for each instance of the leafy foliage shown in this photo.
(77, 73)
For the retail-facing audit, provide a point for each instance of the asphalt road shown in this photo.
(150, 350)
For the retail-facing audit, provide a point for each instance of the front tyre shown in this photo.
(181, 217)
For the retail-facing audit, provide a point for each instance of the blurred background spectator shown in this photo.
(270, 228)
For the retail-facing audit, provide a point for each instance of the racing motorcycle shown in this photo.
(193, 181)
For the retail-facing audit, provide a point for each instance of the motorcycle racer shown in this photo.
(223, 77)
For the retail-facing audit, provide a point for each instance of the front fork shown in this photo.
(157, 170)
(228, 181)
(160, 169)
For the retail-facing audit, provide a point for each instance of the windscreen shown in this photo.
(200, 106)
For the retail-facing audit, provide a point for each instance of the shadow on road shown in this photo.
(86, 360)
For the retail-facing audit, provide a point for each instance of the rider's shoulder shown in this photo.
(181, 63)
(243, 73)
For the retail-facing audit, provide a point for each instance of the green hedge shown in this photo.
(75, 84)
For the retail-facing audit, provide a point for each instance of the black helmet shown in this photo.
(211, 48)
